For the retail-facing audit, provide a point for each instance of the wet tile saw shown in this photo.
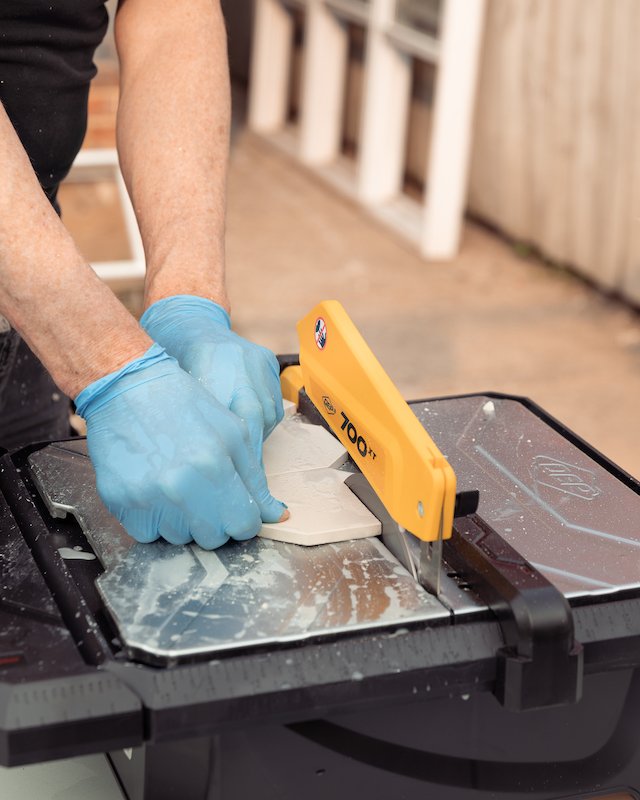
(485, 645)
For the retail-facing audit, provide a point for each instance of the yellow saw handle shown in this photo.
(356, 397)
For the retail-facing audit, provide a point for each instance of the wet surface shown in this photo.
(564, 512)
(173, 602)
(576, 522)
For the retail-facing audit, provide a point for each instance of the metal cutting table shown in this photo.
(322, 671)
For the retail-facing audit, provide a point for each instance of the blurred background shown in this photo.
(464, 175)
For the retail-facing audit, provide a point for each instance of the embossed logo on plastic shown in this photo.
(565, 478)
(354, 438)
(331, 409)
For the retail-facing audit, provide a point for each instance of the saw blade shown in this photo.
(431, 563)
(394, 538)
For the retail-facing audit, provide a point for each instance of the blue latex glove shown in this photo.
(170, 460)
(244, 377)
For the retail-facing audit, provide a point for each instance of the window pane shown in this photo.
(297, 56)
(419, 15)
(419, 128)
(353, 90)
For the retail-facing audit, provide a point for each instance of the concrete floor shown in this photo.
(490, 320)
(82, 778)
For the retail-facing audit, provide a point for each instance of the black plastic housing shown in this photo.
(420, 722)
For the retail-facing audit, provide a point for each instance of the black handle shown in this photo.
(541, 664)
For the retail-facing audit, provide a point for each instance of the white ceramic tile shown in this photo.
(85, 778)
(322, 509)
(296, 446)
(289, 408)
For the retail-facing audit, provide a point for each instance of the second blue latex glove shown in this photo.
(241, 375)
(170, 460)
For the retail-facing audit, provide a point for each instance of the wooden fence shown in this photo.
(556, 153)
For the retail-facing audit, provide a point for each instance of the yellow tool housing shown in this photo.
(356, 397)
(291, 382)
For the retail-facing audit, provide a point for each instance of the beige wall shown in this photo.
(556, 155)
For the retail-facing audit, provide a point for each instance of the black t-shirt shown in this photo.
(46, 65)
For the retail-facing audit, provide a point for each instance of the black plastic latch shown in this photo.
(287, 360)
(467, 501)
(541, 664)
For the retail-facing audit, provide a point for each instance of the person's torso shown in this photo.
(46, 65)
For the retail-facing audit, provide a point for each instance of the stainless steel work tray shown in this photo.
(560, 506)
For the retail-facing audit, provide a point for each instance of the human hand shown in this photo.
(243, 376)
(170, 460)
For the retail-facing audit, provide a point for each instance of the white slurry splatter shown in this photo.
(73, 554)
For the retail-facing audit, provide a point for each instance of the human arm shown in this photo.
(173, 140)
(69, 318)
(152, 477)
(173, 131)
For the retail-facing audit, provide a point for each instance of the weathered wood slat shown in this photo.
(556, 155)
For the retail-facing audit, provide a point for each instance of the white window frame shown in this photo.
(434, 224)
(123, 269)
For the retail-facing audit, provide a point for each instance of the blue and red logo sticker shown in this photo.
(320, 333)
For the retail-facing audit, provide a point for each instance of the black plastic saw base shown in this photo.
(393, 713)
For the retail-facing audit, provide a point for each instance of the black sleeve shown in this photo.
(46, 66)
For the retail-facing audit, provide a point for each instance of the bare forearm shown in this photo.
(173, 132)
(73, 323)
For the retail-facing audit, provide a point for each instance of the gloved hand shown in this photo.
(170, 460)
(244, 377)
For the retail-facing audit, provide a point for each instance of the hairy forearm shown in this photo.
(173, 140)
(73, 323)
